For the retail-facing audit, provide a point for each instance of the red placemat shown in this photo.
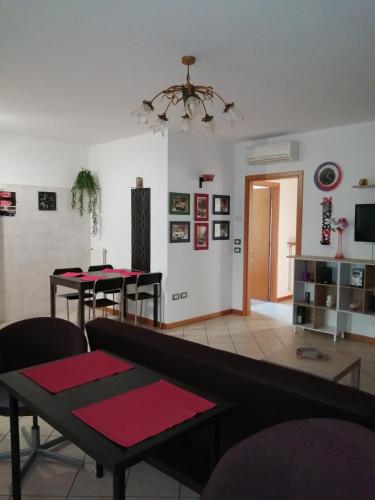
(113, 270)
(126, 273)
(70, 274)
(93, 278)
(77, 370)
(136, 415)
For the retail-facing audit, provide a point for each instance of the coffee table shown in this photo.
(334, 368)
(56, 409)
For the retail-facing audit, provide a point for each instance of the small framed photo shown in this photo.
(179, 232)
(220, 204)
(179, 203)
(201, 236)
(200, 206)
(47, 200)
(220, 230)
(7, 203)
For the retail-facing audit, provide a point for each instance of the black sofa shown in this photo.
(263, 394)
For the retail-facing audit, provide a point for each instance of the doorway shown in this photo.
(272, 231)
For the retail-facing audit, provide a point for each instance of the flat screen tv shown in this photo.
(364, 228)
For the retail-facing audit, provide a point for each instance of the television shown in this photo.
(364, 227)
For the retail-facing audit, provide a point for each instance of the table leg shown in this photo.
(81, 310)
(99, 470)
(119, 485)
(215, 453)
(156, 298)
(53, 300)
(356, 376)
(15, 448)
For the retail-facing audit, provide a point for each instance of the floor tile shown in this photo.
(46, 476)
(147, 481)
(87, 484)
(195, 326)
(186, 492)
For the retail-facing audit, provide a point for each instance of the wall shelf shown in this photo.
(368, 186)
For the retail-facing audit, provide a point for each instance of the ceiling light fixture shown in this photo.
(195, 99)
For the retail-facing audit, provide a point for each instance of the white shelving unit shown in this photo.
(352, 309)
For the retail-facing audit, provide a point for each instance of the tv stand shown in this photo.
(351, 308)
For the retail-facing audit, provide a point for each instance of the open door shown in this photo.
(263, 236)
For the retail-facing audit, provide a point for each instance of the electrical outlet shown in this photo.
(237, 249)
(183, 295)
(175, 296)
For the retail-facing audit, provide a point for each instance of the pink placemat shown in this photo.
(92, 278)
(71, 274)
(77, 370)
(118, 271)
(126, 273)
(141, 413)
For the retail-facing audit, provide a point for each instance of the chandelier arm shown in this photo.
(166, 109)
(219, 96)
(157, 95)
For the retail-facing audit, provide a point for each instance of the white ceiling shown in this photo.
(73, 70)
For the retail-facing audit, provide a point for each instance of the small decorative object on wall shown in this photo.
(86, 185)
(220, 230)
(339, 225)
(220, 204)
(326, 221)
(237, 241)
(201, 206)
(179, 203)
(205, 178)
(179, 232)
(237, 249)
(201, 236)
(47, 200)
(7, 203)
(327, 176)
(138, 182)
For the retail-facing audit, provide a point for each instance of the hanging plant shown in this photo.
(86, 185)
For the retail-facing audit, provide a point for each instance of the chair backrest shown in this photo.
(91, 269)
(108, 285)
(38, 340)
(149, 279)
(67, 270)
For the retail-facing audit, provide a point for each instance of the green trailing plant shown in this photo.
(86, 186)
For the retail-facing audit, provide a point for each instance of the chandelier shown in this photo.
(196, 100)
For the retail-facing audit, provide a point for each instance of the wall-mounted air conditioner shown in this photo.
(272, 153)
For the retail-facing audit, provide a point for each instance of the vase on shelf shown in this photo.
(339, 251)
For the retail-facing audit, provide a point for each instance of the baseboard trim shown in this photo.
(189, 321)
(283, 299)
(360, 338)
(197, 319)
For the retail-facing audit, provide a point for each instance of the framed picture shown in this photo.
(200, 206)
(47, 200)
(7, 203)
(179, 203)
(201, 236)
(179, 232)
(220, 230)
(220, 204)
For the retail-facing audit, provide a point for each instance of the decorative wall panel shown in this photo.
(140, 206)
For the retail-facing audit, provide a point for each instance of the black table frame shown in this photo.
(82, 286)
(56, 410)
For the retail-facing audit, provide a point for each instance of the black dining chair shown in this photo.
(31, 342)
(72, 295)
(100, 267)
(145, 281)
(106, 286)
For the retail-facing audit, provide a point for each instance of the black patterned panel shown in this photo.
(141, 229)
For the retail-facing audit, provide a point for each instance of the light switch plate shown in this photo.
(183, 295)
(175, 296)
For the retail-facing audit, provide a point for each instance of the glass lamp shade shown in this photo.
(192, 106)
(159, 125)
(233, 114)
(187, 125)
(142, 113)
(210, 127)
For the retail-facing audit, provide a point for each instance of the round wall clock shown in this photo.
(327, 176)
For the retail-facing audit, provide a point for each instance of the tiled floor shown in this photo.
(266, 330)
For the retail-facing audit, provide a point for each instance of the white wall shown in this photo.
(353, 148)
(28, 161)
(117, 165)
(205, 274)
(33, 243)
(287, 232)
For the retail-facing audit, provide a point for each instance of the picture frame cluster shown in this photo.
(180, 230)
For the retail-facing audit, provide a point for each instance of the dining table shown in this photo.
(82, 283)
